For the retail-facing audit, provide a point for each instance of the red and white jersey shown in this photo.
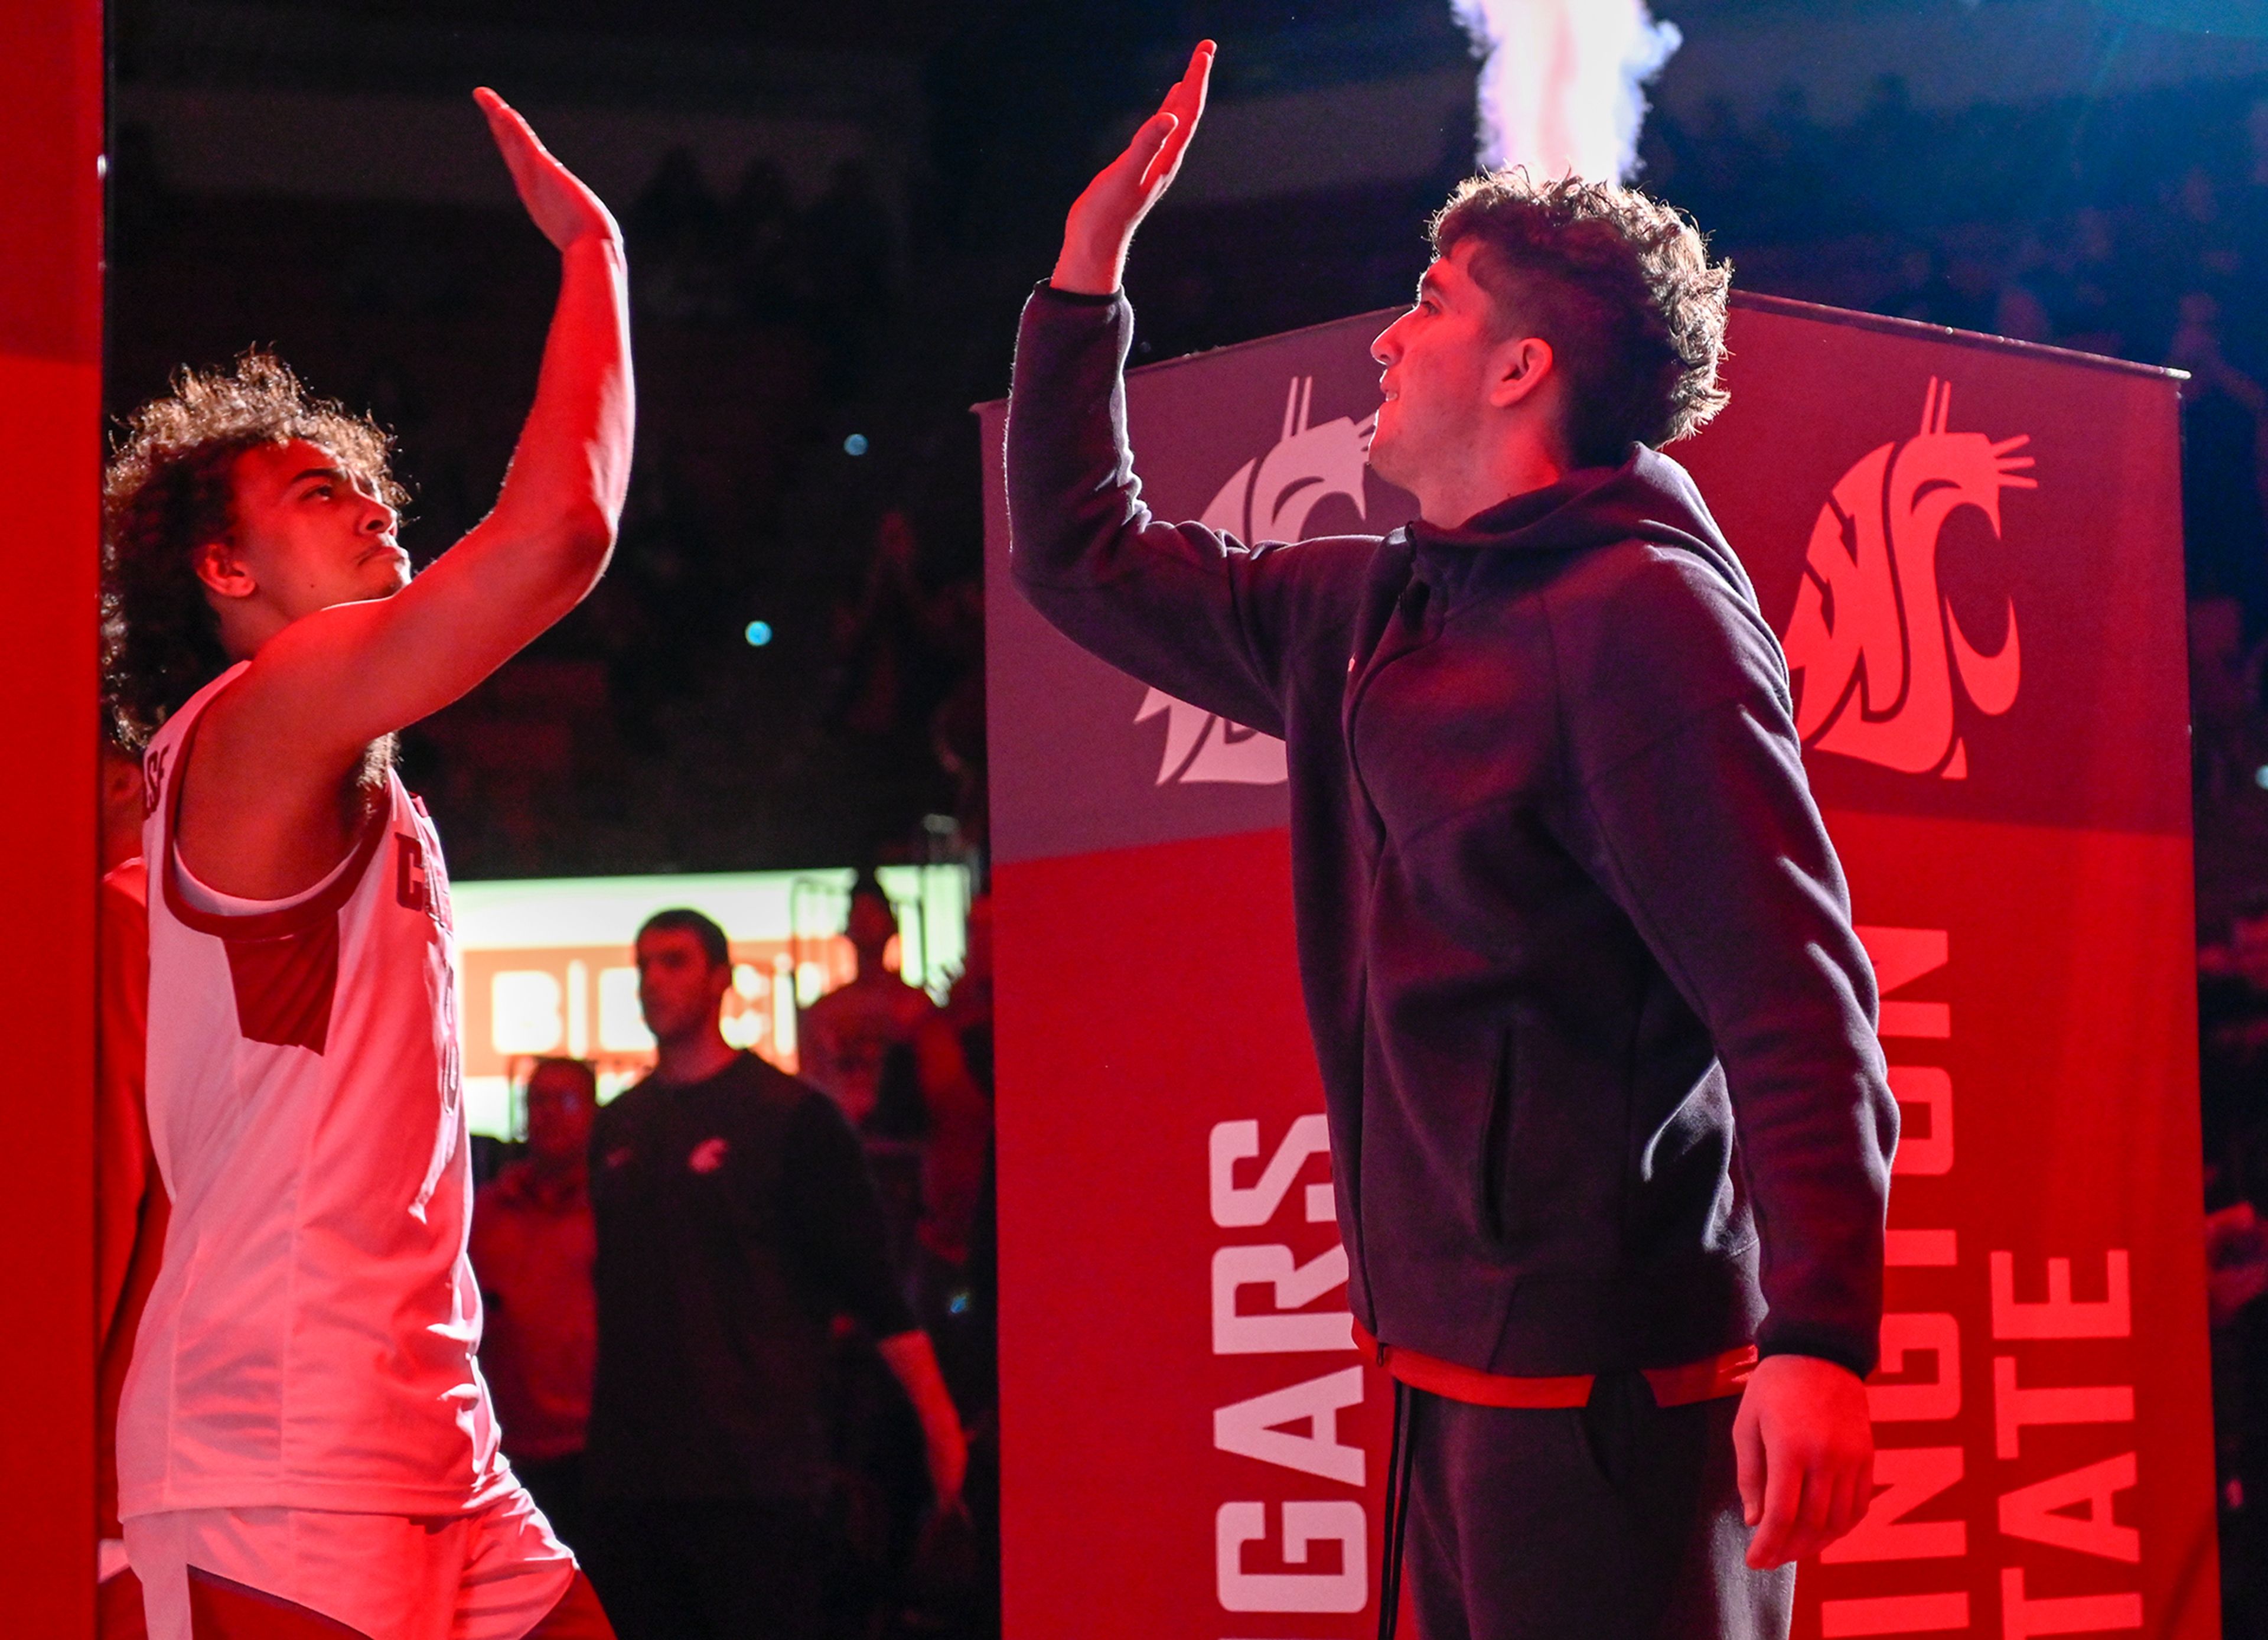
(309, 1342)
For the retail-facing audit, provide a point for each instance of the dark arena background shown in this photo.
(780, 701)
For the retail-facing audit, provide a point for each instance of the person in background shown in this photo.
(2236, 1279)
(953, 1587)
(1554, 855)
(305, 1442)
(844, 1037)
(534, 1242)
(737, 1220)
(950, 1060)
(2233, 1066)
(968, 1015)
(938, 1085)
(968, 1005)
(2224, 476)
(130, 1206)
(2233, 1062)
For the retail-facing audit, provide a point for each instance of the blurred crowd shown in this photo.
(664, 1331)
(754, 256)
(2233, 1067)
(2141, 237)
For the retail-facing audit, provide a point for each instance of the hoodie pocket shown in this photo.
(1496, 1139)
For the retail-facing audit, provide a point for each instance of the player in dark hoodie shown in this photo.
(1608, 1120)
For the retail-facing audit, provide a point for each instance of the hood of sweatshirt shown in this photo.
(1648, 498)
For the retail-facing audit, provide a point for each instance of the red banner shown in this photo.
(1972, 551)
(51, 83)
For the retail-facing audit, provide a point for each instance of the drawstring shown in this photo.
(1398, 1508)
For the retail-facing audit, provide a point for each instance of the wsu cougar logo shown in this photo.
(1873, 638)
(1268, 499)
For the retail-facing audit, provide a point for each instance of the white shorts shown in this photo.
(492, 1575)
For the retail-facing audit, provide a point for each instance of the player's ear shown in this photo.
(222, 571)
(1521, 366)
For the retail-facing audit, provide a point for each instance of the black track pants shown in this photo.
(1620, 1521)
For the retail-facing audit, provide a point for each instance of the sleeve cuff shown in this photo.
(1860, 1362)
(1077, 298)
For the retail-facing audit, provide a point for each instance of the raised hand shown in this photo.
(1102, 221)
(562, 206)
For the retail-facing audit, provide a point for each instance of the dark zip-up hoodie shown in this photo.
(1596, 1037)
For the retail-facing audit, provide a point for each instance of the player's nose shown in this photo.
(1385, 347)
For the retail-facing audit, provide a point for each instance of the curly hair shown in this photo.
(1621, 287)
(169, 490)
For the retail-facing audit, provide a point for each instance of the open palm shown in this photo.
(1103, 220)
(558, 201)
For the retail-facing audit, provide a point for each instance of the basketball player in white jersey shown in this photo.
(305, 1445)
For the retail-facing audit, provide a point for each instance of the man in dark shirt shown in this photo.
(736, 1221)
(1610, 1125)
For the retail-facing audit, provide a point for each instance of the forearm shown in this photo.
(334, 680)
(1814, 1141)
(1814, 1125)
(912, 1360)
(1178, 606)
(571, 467)
(1072, 498)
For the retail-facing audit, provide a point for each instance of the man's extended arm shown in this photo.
(325, 686)
(1192, 612)
(1196, 613)
(912, 1360)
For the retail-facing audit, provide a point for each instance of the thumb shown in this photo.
(1748, 1460)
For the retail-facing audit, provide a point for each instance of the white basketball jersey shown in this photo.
(309, 1342)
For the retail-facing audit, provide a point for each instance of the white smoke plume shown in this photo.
(1561, 85)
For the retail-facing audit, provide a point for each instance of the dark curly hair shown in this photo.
(168, 490)
(1621, 287)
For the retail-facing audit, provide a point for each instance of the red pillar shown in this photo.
(51, 91)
